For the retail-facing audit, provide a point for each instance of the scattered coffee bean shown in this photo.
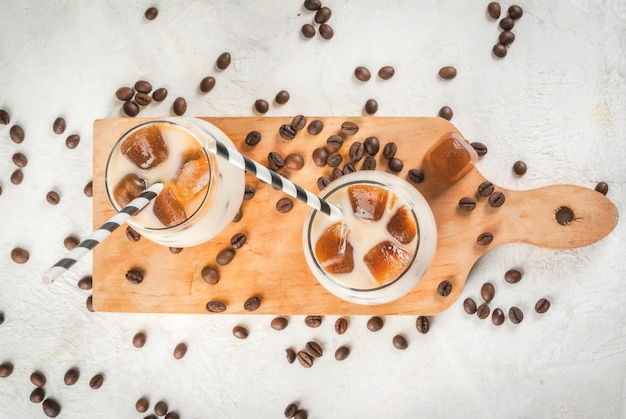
(275, 161)
(342, 353)
(416, 175)
(315, 127)
(294, 161)
(446, 112)
(356, 152)
(334, 159)
(341, 325)
(143, 86)
(469, 305)
(322, 182)
(159, 94)
(362, 73)
(499, 50)
(513, 276)
(483, 311)
(53, 197)
(6, 369)
(142, 99)
(284, 205)
(175, 250)
(252, 303)
(96, 381)
(484, 239)
(519, 168)
(334, 142)
(180, 350)
(238, 240)
(207, 84)
(283, 96)
(161, 408)
(371, 106)
(16, 133)
(313, 321)
(386, 72)
(19, 159)
(485, 189)
(58, 126)
(37, 395)
(248, 192)
(447, 72)
(422, 324)
(261, 105)
(1, 317)
(17, 177)
(132, 234)
(71, 376)
(223, 61)
(85, 283)
(139, 340)
(19, 255)
(301, 414)
(134, 276)
(542, 305)
(337, 173)
(290, 354)
(151, 13)
(215, 306)
(400, 342)
(72, 141)
(130, 108)
(71, 242)
(389, 150)
(375, 323)
(253, 138)
(298, 122)
(516, 315)
(564, 215)
(487, 291)
(480, 148)
(494, 10)
(51, 408)
(444, 288)
(142, 404)
(124, 93)
(349, 128)
(312, 5)
(507, 23)
(371, 145)
(210, 275)
(5, 118)
(467, 204)
(224, 257)
(304, 359)
(287, 132)
(515, 12)
(279, 323)
(369, 163)
(496, 199)
(291, 408)
(180, 106)
(395, 165)
(602, 187)
(497, 317)
(172, 415)
(322, 15)
(349, 168)
(314, 349)
(506, 38)
(238, 216)
(38, 379)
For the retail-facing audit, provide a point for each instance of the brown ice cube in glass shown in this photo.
(452, 156)
(145, 147)
(193, 174)
(386, 261)
(167, 209)
(368, 201)
(334, 251)
(402, 226)
(128, 188)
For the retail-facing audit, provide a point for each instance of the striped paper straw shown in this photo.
(101, 233)
(276, 180)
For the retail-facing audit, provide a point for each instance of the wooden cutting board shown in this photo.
(271, 264)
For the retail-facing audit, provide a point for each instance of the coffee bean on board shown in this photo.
(134, 276)
(334, 142)
(252, 303)
(224, 257)
(320, 157)
(284, 205)
(132, 234)
(519, 168)
(275, 161)
(369, 163)
(315, 127)
(445, 288)
(298, 122)
(372, 145)
(322, 182)
(467, 204)
(485, 189)
(287, 132)
(238, 240)
(215, 306)
(349, 128)
(355, 153)
(248, 192)
(496, 199)
(484, 239)
(334, 159)
(416, 175)
(253, 138)
(395, 165)
(389, 150)
(294, 161)
(210, 275)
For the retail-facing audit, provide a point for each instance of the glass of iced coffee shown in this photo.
(202, 192)
(380, 248)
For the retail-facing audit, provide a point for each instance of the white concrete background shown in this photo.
(556, 101)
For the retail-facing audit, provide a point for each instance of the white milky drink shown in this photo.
(202, 192)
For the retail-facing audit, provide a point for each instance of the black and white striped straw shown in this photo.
(101, 233)
(276, 180)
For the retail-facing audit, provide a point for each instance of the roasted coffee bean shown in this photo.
(279, 323)
(134, 276)
(304, 359)
(17, 134)
(51, 408)
(372, 145)
(17, 177)
(313, 321)
(142, 99)
(287, 132)
(507, 23)
(322, 15)
(261, 105)
(519, 168)
(180, 350)
(53, 197)
(85, 283)
(399, 342)
(342, 353)
(389, 150)
(71, 376)
(315, 127)
(72, 141)
(238, 216)
(252, 303)
(349, 168)
(70, 242)
(422, 324)
(275, 161)
(416, 175)
(223, 61)
(298, 122)
(314, 349)
(386, 72)
(224, 257)
(143, 86)
(172, 415)
(290, 354)
(334, 142)
(161, 408)
(312, 5)
(497, 317)
(139, 340)
(395, 165)
(341, 325)
(564, 215)
(1, 317)
(326, 31)
(58, 126)
(506, 38)
(142, 404)
(238, 240)
(37, 395)
(602, 187)
(207, 84)
(371, 106)
(334, 159)
(487, 291)
(283, 96)
(215, 306)
(516, 315)
(210, 275)
(130, 108)
(447, 72)
(291, 408)
(38, 379)
(349, 128)
(499, 50)
(180, 106)
(369, 163)
(480, 148)
(124, 93)
(159, 94)
(6, 369)
(284, 205)
(484, 239)
(151, 13)
(5, 118)
(469, 305)
(496, 199)
(294, 161)
(515, 12)
(446, 112)
(494, 10)
(513, 276)
(322, 182)
(132, 234)
(542, 305)
(337, 173)
(253, 138)
(375, 323)
(248, 192)
(485, 189)
(19, 255)
(240, 332)
(96, 381)
(362, 73)
(467, 204)
(444, 288)
(356, 152)
(483, 311)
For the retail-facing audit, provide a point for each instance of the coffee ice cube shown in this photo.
(368, 201)
(386, 261)
(145, 147)
(193, 174)
(167, 209)
(334, 251)
(128, 188)
(402, 226)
